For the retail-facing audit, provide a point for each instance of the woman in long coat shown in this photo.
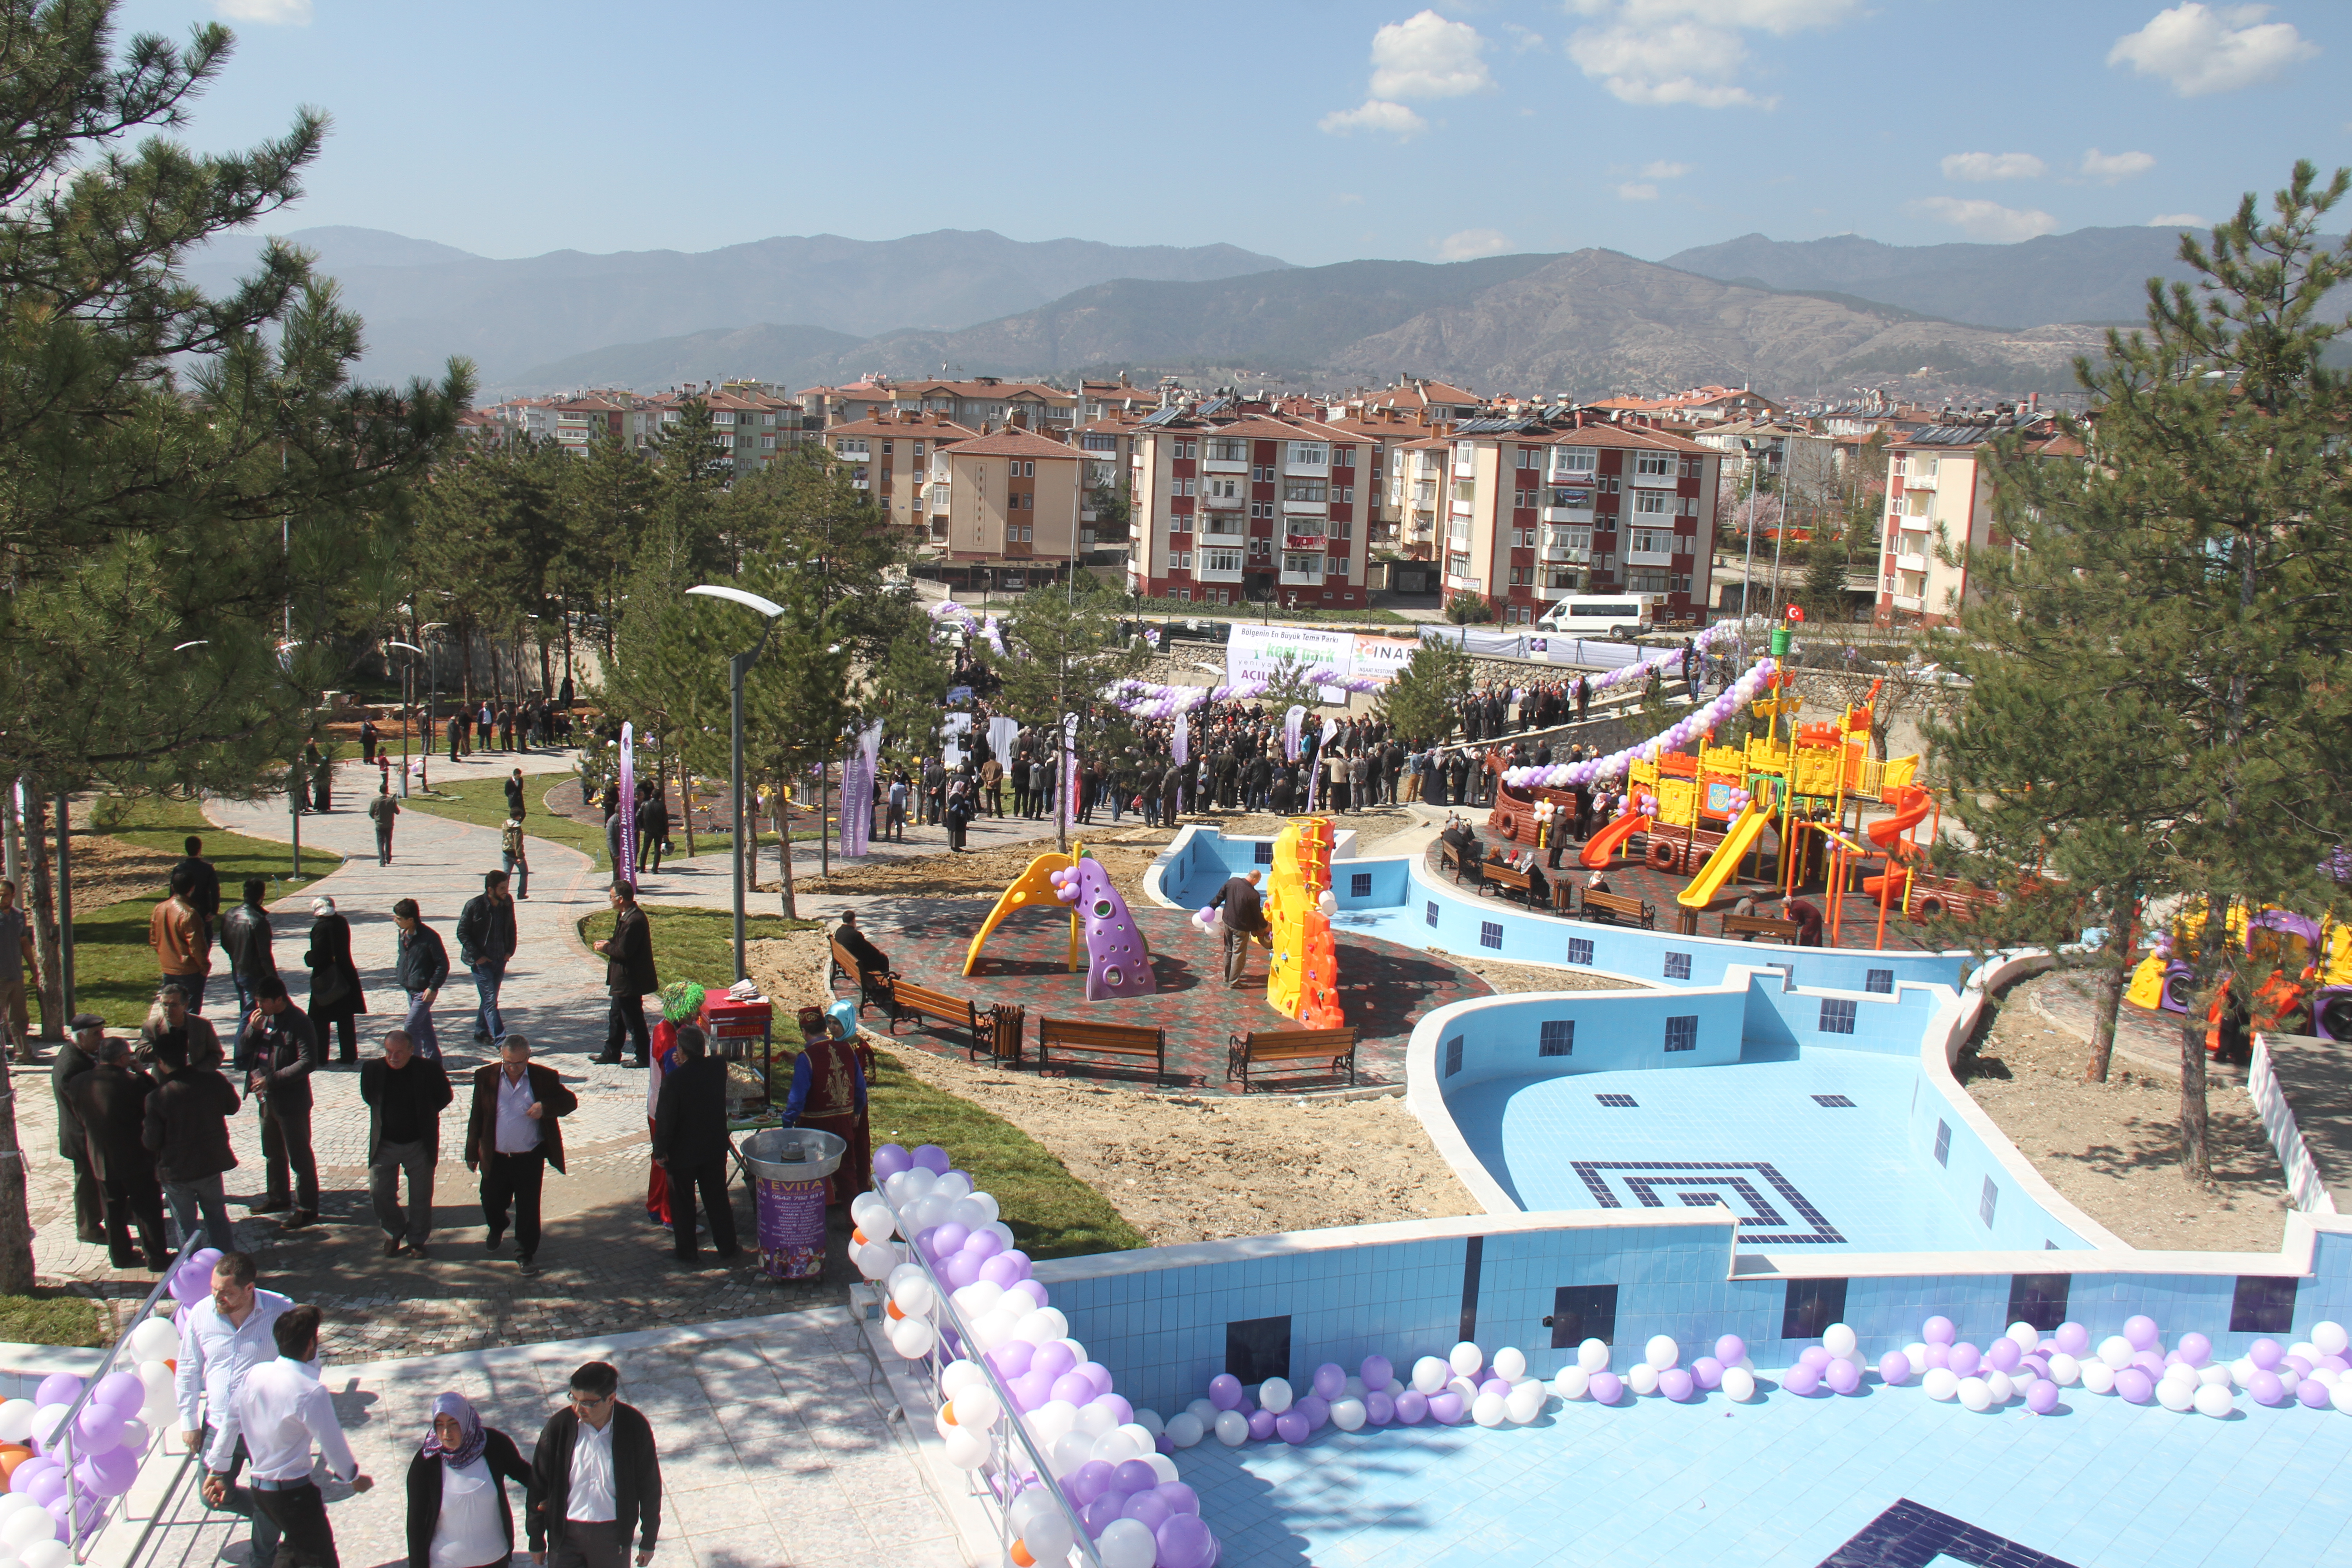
(335, 994)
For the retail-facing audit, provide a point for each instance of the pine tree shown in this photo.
(1424, 701)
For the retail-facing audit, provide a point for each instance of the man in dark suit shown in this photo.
(513, 1133)
(278, 1050)
(74, 1058)
(204, 895)
(110, 1100)
(629, 974)
(691, 1144)
(586, 1506)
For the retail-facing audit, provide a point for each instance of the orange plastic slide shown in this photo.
(1602, 847)
(1911, 805)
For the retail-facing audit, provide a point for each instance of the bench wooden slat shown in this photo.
(1495, 874)
(1303, 1048)
(1107, 1039)
(1763, 926)
(1620, 907)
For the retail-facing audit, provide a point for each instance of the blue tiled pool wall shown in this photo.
(1958, 1160)
(1161, 1332)
(1402, 884)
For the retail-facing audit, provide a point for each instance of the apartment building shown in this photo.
(829, 405)
(1781, 456)
(1538, 508)
(1699, 406)
(1939, 497)
(989, 402)
(1233, 504)
(1389, 429)
(1009, 501)
(891, 457)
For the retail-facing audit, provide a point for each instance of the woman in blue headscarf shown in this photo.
(457, 1513)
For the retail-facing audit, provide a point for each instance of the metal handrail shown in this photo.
(78, 1537)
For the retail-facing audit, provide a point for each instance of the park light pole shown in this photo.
(407, 681)
(739, 666)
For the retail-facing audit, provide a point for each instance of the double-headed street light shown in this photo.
(407, 701)
(737, 668)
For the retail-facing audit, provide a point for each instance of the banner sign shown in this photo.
(1257, 652)
(627, 869)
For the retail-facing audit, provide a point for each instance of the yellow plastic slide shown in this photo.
(1727, 858)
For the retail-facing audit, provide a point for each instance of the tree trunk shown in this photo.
(2106, 1002)
(2196, 1155)
(784, 814)
(44, 908)
(16, 1217)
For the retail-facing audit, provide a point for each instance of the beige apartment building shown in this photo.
(1939, 501)
(891, 457)
(1009, 501)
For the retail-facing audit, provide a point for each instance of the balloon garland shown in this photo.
(1718, 711)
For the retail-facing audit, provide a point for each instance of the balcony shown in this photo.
(1303, 541)
(1907, 602)
(1218, 574)
(1649, 558)
(1926, 481)
(1309, 470)
(1307, 508)
(1218, 466)
(1910, 562)
(1571, 555)
(1223, 503)
(1652, 481)
(1547, 592)
(1568, 514)
(1224, 527)
(1468, 584)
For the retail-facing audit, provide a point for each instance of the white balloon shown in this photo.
(1511, 1364)
(919, 1180)
(2098, 1378)
(2288, 1377)
(1353, 1388)
(1347, 1414)
(1143, 1437)
(1096, 1421)
(2326, 1374)
(1203, 1410)
(1429, 1374)
(1029, 1506)
(2305, 1349)
(913, 1296)
(1941, 1383)
(1150, 1421)
(913, 1338)
(46, 1554)
(2213, 1399)
(1916, 1354)
(1184, 1429)
(24, 1529)
(1070, 1450)
(995, 1328)
(2331, 1338)
(953, 1187)
(1660, 1353)
(2177, 1394)
(2340, 1395)
(2003, 1388)
(1840, 1340)
(976, 1300)
(1739, 1384)
(1465, 1358)
(1572, 1382)
(2027, 1337)
(2117, 1351)
(2214, 1373)
(1592, 1355)
(1275, 1395)
(1976, 1393)
(976, 1408)
(156, 1340)
(965, 1448)
(1233, 1428)
(959, 1373)
(1053, 1420)
(1465, 1387)
(17, 1418)
(46, 1420)
(1113, 1448)
(1048, 1536)
(1525, 1403)
(2241, 1371)
(2064, 1370)
(14, 1503)
(1162, 1466)
(1642, 1378)
(1126, 1544)
(1041, 1327)
(1487, 1410)
(1003, 1232)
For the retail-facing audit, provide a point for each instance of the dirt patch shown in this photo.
(791, 970)
(1533, 978)
(2113, 1149)
(107, 871)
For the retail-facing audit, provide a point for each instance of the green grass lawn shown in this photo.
(484, 802)
(54, 1318)
(114, 969)
(698, 944)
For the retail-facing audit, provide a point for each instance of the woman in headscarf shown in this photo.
(336, 998)
(829, 1093)
(681, 1003)
(457, 1513)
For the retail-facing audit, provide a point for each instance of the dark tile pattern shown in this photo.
(1912, 1535)
(1772, 1227)
(1833, 1101)
(1617, 1101)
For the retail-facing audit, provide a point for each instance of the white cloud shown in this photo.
(1373, 115)
(1993, 166)
(1662, 169)
(2177, 220)
(1657, 52)
(1428, 56)
(1987, 220)
(2211, 48)
(1471, 243)
(1523, 38)
(1638, 193)
(267, 12)
(2114, 167)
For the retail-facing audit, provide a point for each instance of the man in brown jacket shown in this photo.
(513, 1133)
(183, 946)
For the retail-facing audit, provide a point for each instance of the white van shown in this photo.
(1623, 616)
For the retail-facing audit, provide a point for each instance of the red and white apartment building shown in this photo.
(1234, 503)
(1939, 492)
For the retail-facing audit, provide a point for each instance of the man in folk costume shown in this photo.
(829, 1093)
(681, 1003)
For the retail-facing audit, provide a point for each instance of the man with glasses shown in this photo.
(598, 1479)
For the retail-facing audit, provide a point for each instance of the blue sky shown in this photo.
(1317, 132)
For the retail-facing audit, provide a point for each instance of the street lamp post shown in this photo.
(738, 666)
(407, 700)
(432, 702)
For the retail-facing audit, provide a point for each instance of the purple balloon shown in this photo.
(58, 1388)
(1133, 1476)
(2072, 1338)
(1000, 1270)
(2003, 1355)
(2266, 1386)
(1844, 1376)
(1708, 1372)
(1677, 1385)
(889, 1159)
(1895, 1369)
(1088, 1482)
(2302, 1363)
(2139, 1333)
(2265, 1353)
(1814, 1356)
(1020, 1260)
(1606, 1388)
(1801, 1380)
(932, 1158)
(1030, 1289)
(1411, 1407)
(1376, 1371)
(1073, 1387)
(1379, 1408)
(1261, 1424)
(1966, 1360)
(1318, 1411)
(961, 1269)
(1292, 1428)
(1097, 1515)
(1032, 1390)
(1248, 1406)
(2195, 1349)
(1149, 1509)
(2334, 1363)
(1012, 1359)
(1225, 1391)
(1094, 1371)
(1329, 1379)
(1730, 1350)
(123, 1391)
(22, 1477)
(2037, 1363)
(1937, 1355)
(1180, 1497)
(947, 1238)
(927, 1243)
(2135, 1385)
(1445, 1408)
(983, 1245)
(2311, 1391)
(46, 1487)
(1185, 1542)
(1937, 1331)
(1496, 1385)
(2042, 1397)
(1054, 1360)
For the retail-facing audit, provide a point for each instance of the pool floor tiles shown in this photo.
(1786, 1482)
(1796, 1172)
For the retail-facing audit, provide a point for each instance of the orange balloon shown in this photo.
(947, 1413)
(892, 1308)
(1021, 1555)
(12, 1456)
(856, 1238)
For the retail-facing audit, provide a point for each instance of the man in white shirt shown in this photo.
(223, 1337)
(514, 1132)
(282, 1409)
(597, 1478)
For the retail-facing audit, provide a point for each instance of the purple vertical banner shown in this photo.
(857, 793)
(1068, 780)
(626, 870)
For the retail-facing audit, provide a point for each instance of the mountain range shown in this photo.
(1796, 318)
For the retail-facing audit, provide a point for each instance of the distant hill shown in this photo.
(423, 302)
(790, 356)
(2090, 275)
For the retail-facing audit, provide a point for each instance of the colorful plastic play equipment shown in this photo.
(2308, 959)
(1118, 961)
(1033, 888)
(1303, 978)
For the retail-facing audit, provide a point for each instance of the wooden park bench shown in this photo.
(980, 1025)
(872, 985)
(1297, 1050)
(1752, 926)
(1494, 874)
(1449, 858)
(1137, 1044)
(1620, 909)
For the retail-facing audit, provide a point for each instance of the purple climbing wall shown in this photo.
(1118, 961)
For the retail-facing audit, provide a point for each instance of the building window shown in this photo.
(1429, 915)
(1335, 565)
(1360, 885)
(1678, 966)
(1682, 1033)
(1944, 1144)
(1305, 489)
(1454, 1056)
(1579, 950)
(1559, 1037)
(2264, 1304)
(1878, 981)
(1653, 463)
(1569, 463)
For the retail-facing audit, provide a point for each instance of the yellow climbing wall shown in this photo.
(1303, 978)
(1032, 890)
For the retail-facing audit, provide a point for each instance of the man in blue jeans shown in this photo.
(486, 940)
(423, 969)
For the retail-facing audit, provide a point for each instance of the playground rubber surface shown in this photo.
(1385, 990)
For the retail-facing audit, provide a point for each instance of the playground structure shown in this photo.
(2306, 958)
(1302, 980)
(1117, 959)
